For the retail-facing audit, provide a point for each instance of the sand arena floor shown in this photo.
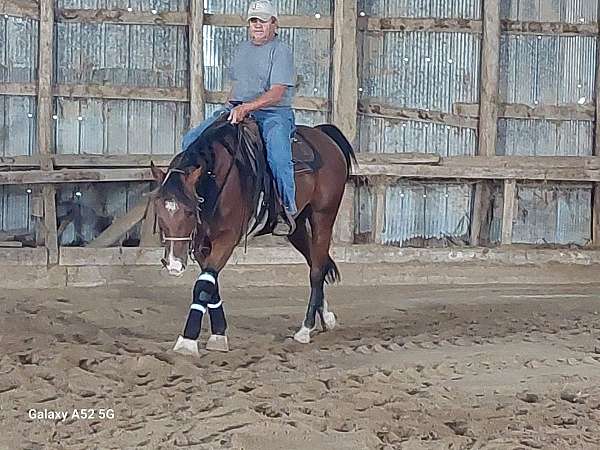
(443, 367)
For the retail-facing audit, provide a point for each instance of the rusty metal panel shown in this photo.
(15, 209)
(553, 214)
(429, 71)
(546, 70)
(465, 9)
(569, 11)
(95, 126)
(133, 55)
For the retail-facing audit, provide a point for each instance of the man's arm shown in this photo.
(270, 98)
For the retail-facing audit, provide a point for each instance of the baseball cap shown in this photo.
(261, 9)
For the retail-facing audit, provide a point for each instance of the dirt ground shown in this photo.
(443, 367)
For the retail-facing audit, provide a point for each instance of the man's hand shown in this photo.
(239, 113)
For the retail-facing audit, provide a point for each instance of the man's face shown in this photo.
(262, 31)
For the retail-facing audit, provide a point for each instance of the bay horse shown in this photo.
(220, 190)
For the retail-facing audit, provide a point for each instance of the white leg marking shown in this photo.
(303, 335)
(186, 346)
(217, 343)
(328, 317)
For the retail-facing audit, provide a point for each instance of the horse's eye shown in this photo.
(189, 213)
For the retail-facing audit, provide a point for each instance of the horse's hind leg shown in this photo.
(321, 265)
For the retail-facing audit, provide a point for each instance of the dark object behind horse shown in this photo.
(220, 190)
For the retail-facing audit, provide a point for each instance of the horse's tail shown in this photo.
(335, 133)
(332, 273)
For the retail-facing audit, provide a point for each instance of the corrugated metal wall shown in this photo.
(429, 71)
(18, 64)
(549, 71)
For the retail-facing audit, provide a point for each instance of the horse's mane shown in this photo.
(245, 146)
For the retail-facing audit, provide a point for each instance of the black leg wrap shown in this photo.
(203, 291)
(315, 304)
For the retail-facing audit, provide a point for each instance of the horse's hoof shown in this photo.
(186, 346)
(303, 336)
(329, 319)
(217, 343)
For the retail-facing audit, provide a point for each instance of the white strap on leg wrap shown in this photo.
(215, 306)
(198, 307)
(205, 276)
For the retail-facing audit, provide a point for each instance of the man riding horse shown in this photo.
(219, 190)
(263, 79)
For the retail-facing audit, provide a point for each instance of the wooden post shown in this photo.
(44, 122)
(197, 94)
(344, 95)
(343, 231)
(596, 150)
(508, 212)
(379, 213)
(488, 109)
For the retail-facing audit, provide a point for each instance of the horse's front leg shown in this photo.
(206, 297)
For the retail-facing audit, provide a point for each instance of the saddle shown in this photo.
(304, 156)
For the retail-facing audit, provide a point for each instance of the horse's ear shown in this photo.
(158, 174)
(192, 178)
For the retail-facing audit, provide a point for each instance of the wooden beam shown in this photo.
(175, 18)
(375, 107)
(121, 225)
(488, 109)
(345, 77)
(74, 176)
(344, 222)
(584, 169)
(45, 123)
(313, 22)
(521, 111)
(149, 233)
(549, 28)
(423, 24)
(379, 212)
(121, 92)
(509, 211)
(307, 103)
(122, 16)
(197, 92)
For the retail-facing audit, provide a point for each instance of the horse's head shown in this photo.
(176, 206)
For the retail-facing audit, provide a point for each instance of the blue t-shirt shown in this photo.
(256, 68)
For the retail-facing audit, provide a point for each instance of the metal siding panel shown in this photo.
(163, 128)
(287, 7)
(139, 125)
(574, 216)
(92, 52)
(310, 118)
(363, 207)
(182, 120)
(165, 55)
(21, 49)
(67, 126)
(423, 70)
(116, 126)
(68, 53)
(141, 71)
(18, 130)
(531, 137)
(468, 9)
(116, 53)
(182, 74)
(218, 52)
(93, 128)
(16, 209)
(570, 11)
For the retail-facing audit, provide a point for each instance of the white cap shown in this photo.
(261, 9)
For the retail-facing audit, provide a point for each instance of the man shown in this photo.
(263, 79)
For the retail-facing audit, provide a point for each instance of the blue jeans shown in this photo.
(277, 127)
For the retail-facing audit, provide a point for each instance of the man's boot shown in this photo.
(285, 224)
